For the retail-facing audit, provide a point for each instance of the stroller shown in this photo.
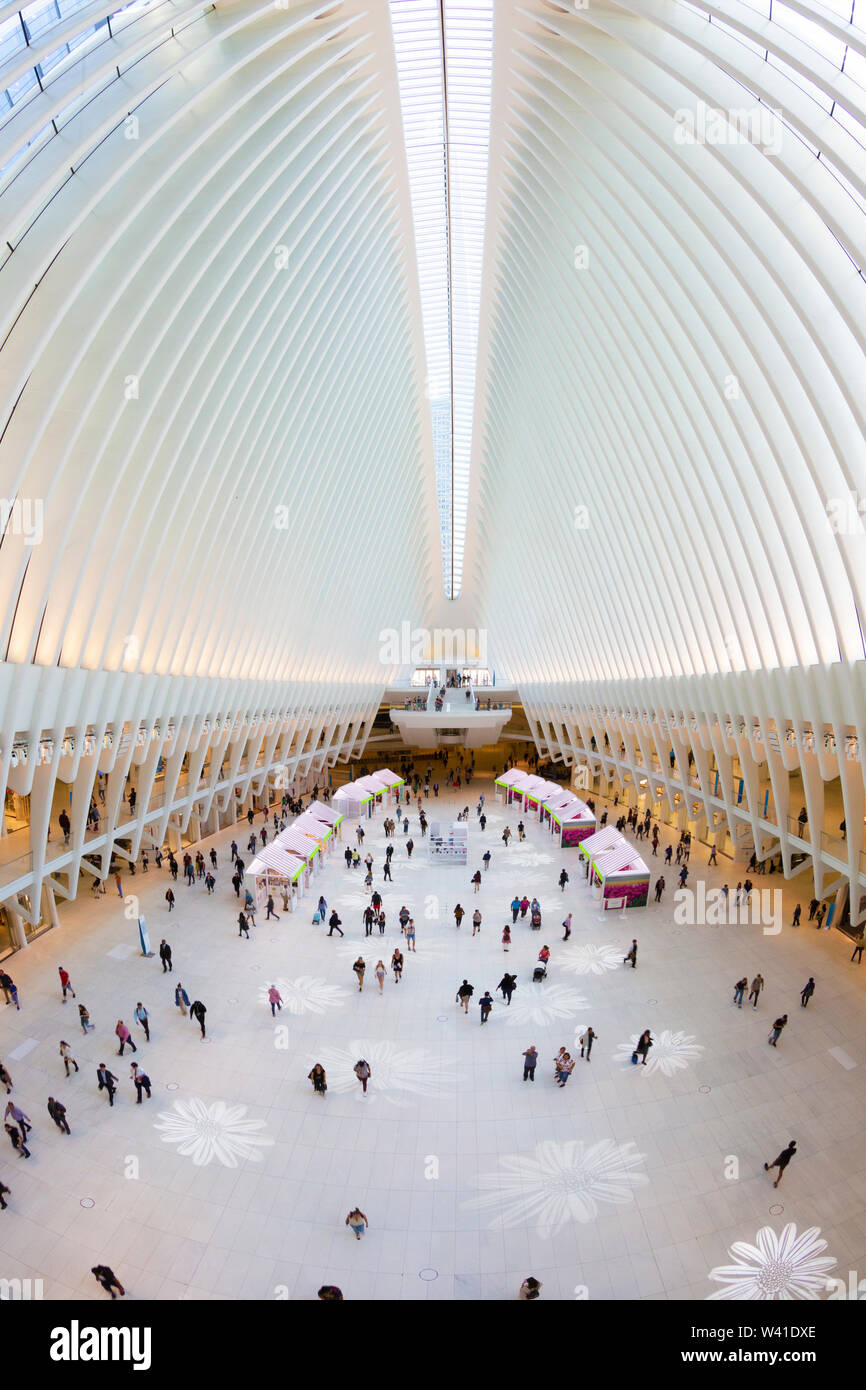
(535, 921)
(539, 974)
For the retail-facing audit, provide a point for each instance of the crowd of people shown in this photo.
(199, 869)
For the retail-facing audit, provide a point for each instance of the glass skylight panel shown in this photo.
(447, 182)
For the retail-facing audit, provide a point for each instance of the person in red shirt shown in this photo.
(65, 982)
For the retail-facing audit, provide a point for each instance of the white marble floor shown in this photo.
(630, 1183)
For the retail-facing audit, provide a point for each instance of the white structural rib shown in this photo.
(211, 405)
(669, 466)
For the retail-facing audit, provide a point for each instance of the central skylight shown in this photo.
(444, 52)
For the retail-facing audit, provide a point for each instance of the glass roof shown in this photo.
(445, 89)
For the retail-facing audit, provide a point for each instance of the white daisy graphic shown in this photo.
(308, 994)
(541, 1004)
(392, 1069)
(670, 1052)
(530, 859)
(207, 1132)
(561, 1183)
(776, 1267)
(589, 959)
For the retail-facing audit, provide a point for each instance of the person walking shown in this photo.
(507, 985)
(386, 871)
(141, 1081)
(169, 897)
(660, 888)
(359, 967)
(6, 1079)
(476, 880)
(270, 912)
(334, 924)
(4, 1193)
(358, 1222)
(459, 914)
(632, 955)
(275, 999)
(410, 934)
(181, 998)
(17, 1142)
(6, 986)
(521, 831)
(317, 1076)
(322, 908)
(142, 1018)
(410, 844)
(107, 1081)
(197, 1011)
(819, 916)
(757, 986)
(813, 908)
(464, 994)
(476, 922)
(807, 991)
(108, 1280)
(739, 990)
(563, 880)
(586, 1040)
(530, 1289)
(795, 921)
(506, 937)
(20, 1119)
(485, 859)
(857, 953)
(515, 908)
(66, 1054)
(565, 1067)
(530, 1062)
(544, 955)
(58, 1115)
(84, 1020)
(506, 836)
(380, 973)
(567, 925)
(13, 990)
(165, 955)
(397, 965)
(777, 1030)
(367, 916)
(363, 1073)
(65, 982)
(485, 1004)
(781, 1161)
(124, 1036)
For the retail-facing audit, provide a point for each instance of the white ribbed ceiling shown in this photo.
(211, 310)
(672, 358)
(211, 369)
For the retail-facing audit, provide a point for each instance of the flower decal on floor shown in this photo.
(212, 1132)
(393, 1070)
(561, 1183)
(670, 1052)
(589, 959)
(539, 1004)
(308, 994)
(776, 1267)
